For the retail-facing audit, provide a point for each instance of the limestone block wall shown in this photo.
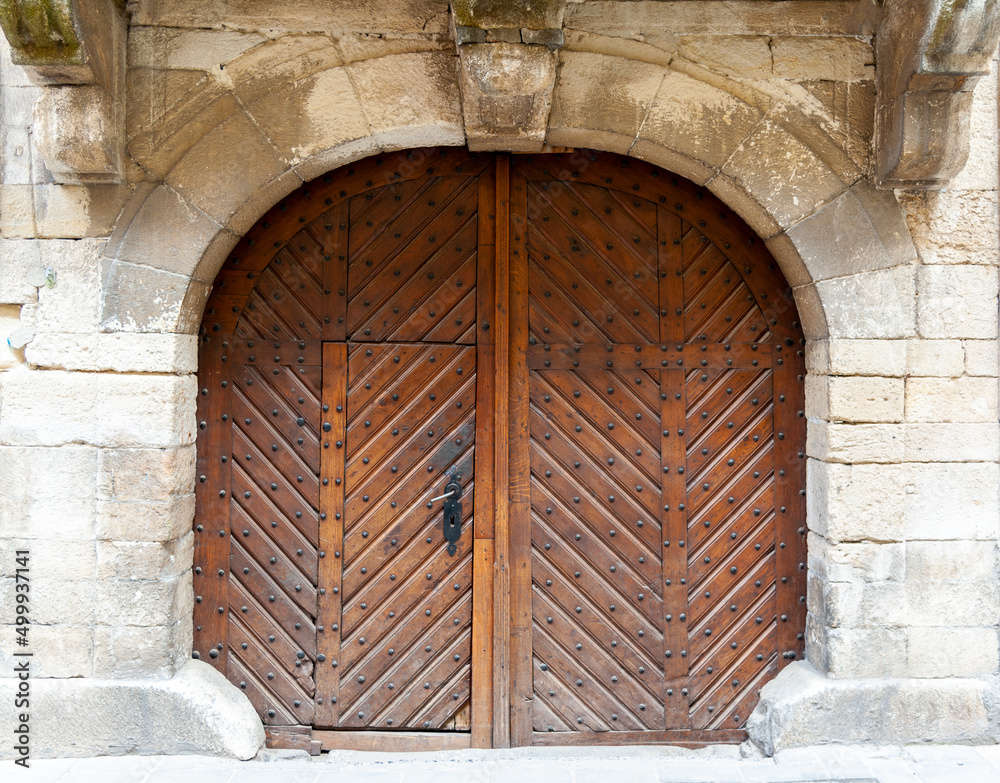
(903, 447)
(772, 109)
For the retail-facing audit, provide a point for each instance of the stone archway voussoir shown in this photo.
(410, 99)
(782, 174)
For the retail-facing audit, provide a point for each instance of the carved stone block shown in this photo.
(76, 51)
(506, 95)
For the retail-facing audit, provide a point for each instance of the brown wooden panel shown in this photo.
(406, 618)
(596, 573)
(482, 639)
(730, 462)
(414, 278)
(723, 324)
(684, 739)
(292, 738)
(790, 495)
(663, 356)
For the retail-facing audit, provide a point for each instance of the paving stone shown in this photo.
(715, 771)
(601, 773)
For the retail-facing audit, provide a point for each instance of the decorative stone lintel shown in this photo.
(929, 56)
(75, 50)
(508, 55)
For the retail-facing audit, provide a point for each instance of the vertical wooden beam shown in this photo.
(485, 495)
(670, 269)
(789, 495)
(673, 456)
(212, 491)
(673, 524)
(331, 531)
(501, 571)
(519, 556)
(482, 642)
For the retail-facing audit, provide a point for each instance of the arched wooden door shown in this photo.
(657, 469)
(499, 450)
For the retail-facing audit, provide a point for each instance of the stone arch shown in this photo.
(234, 146)
(255, 135)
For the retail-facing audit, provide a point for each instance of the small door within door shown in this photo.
(394, 634)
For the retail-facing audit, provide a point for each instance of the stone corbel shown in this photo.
(508, 53)
(75, 51)
(929, 56)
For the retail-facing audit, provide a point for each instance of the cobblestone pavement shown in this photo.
(720, 764)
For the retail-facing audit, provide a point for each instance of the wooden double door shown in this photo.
(500, 450)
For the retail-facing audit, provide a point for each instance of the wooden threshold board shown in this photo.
(392, 741)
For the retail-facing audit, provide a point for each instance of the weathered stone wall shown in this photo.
(234, 103)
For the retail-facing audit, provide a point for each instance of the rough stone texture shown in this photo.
(10, 322)
(311, 115)
(145, 474)
(779, 170)
(951, 652)
(952, 443)
(856, 502)
(865, 243)
(168, 233)
(162, 520)
(30, 509)
(940, 358)
(61, 651)
(854, 399)
(410, 99)
(177, 306)
(855, 443)
(858, 562)
(828, 59)
(930, 56)
(802, 707)
(130, 652)
(951, 501)
(18, 256)
(195, 711)
(957, 301)
(886, 358)
(697, 120)
(953, 226)
(951, 399)
(54, 407)
(158, 47)
(870, 305)
(217, 172)
(123, 352)
(369, 16)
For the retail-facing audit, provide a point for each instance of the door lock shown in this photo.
(452, 510)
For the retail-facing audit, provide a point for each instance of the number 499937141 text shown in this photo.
(21, 588)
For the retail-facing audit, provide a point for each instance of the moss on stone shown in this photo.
(41, 32)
